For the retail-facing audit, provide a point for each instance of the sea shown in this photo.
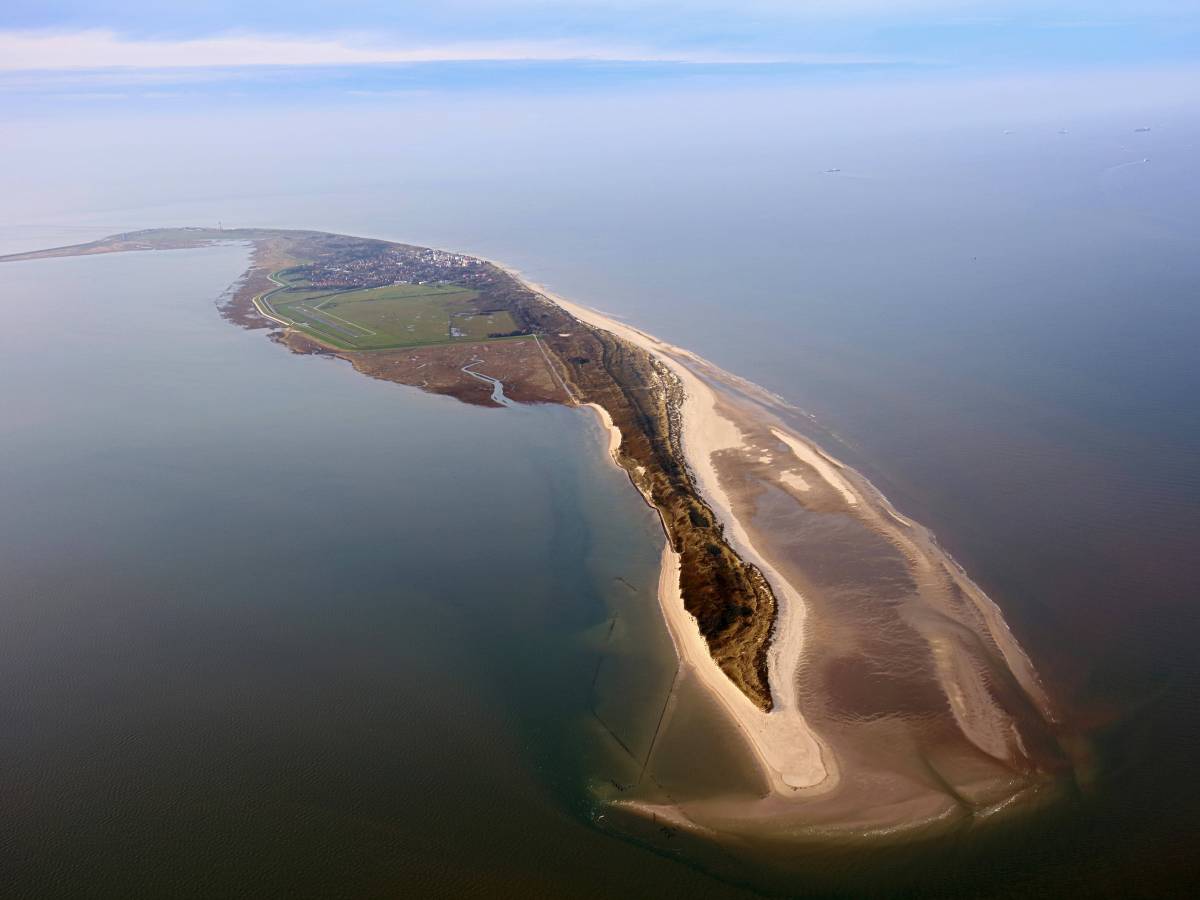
(268, 627)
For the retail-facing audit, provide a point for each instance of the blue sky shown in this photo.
(50, 34)
(147, 105)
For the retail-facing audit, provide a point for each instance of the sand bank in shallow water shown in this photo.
(901, 697)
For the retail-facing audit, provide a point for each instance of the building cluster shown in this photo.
(395, 265)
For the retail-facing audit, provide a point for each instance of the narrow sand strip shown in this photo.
(795, 481)
(823, 466)
(790, 753)
(606, 422)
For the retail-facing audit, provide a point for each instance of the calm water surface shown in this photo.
(270, 627)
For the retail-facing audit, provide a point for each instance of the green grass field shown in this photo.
(400, 315)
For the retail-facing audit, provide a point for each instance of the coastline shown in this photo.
(876, 686)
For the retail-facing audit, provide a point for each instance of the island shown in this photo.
(877, 686)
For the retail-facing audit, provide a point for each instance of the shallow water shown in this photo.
(269, 626)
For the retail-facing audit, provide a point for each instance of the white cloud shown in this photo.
(101, 49)
(842, 11)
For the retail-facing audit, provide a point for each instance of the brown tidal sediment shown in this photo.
(437, 368)
(929, 714)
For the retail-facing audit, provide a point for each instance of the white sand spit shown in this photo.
(824, 467)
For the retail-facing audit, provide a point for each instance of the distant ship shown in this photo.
(1141, 130)
(832, 171)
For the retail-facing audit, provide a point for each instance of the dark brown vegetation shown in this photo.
(438, 368)
(731, 600)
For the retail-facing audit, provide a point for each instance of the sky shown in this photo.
(146, 34)
(94, 96)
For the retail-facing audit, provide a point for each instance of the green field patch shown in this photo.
(482, 325)
(297, 296)
(291, 276)
(399, 315)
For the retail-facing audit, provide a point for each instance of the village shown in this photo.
(396, 265)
